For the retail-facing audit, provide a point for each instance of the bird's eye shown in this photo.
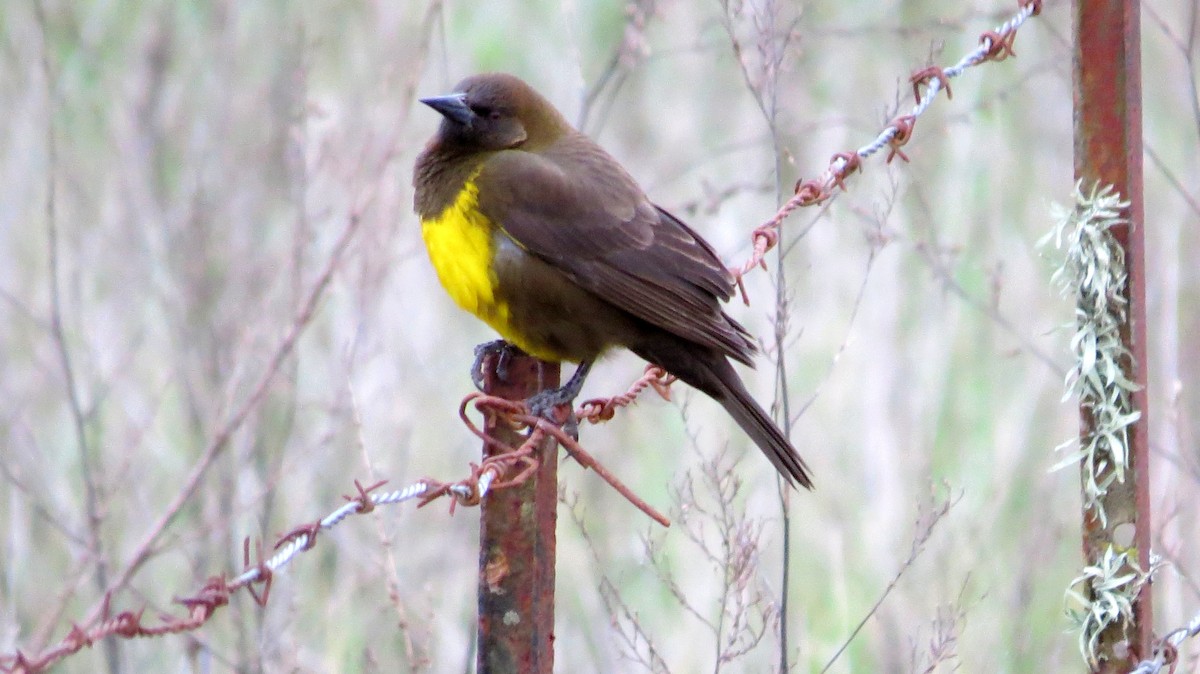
(485, 111)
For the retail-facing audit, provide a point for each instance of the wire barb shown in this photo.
(523, 458)
(1166, 649)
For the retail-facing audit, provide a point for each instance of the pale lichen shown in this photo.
(1093, 272)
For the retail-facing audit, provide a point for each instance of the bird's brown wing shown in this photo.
(576, 208)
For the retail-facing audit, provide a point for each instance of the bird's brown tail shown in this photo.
(712, 373)
(761, 429)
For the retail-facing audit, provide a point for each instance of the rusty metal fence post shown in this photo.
(516, 539)
(1108, 150)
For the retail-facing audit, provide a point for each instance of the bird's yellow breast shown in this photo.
(460, 245)
(461, 242)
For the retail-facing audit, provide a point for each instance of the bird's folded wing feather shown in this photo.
(578, 210)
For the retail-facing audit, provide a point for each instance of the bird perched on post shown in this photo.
(539, 232)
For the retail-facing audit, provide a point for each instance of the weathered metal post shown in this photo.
(1108, 150)
(516, 539)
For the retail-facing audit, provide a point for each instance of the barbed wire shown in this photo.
(1166, 650)
(593, 411)
(597, 410)
(216, 591)
(510, 467)
(994, 45)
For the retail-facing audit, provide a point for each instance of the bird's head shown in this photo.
(495, 111)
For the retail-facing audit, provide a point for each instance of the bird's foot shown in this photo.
(546, 403)
(503, 351)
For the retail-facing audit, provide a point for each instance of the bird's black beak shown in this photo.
(453, 107)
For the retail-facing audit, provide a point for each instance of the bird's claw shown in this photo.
(546, 404)
(503, 352)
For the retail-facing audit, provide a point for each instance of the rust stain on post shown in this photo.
(1108, 149)
(516, 541)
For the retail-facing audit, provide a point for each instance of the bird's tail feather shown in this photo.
(761, 429)
(712, 373)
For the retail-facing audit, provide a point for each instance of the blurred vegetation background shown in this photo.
(177, 175)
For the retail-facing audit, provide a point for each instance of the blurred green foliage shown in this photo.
(209, 154)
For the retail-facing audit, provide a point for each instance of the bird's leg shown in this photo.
(503, 351)
(545, 403)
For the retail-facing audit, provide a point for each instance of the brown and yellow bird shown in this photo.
(539, 232)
